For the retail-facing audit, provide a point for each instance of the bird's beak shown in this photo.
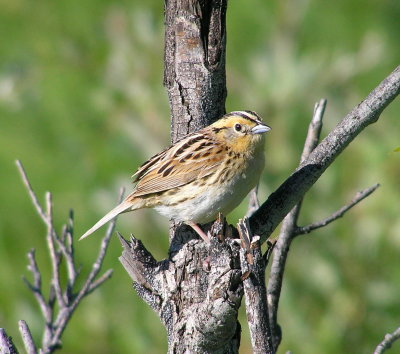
(260, 128)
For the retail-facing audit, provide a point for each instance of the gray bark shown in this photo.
(253, 265)
(196, 292)
(194, 69)
(6, 343)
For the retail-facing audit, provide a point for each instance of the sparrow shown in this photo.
(206, 173)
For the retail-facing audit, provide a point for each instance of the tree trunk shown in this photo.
(198, 290)
(194, 71)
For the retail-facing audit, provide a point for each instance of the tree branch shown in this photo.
(141, 267)
(301, 230)
(203, 322)
(36, 287)
(6, 344)
(57, 317)
(389, 339)
(30, 346)
(264, 221)
(32, 194)
(254, 203)
(287, 231)
(253, 267)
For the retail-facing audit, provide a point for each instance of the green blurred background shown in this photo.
(82, 105)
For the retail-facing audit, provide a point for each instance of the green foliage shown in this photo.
(82, 105)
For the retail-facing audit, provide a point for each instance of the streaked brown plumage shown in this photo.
(205, 173)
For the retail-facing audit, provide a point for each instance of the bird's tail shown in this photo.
(119, 209)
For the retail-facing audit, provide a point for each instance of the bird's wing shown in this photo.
(193, 157)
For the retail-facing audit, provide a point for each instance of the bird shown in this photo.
(206, 173)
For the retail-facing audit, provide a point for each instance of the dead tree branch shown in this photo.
(264, 221)
(301, 230)
(254, 203)
(27, 337)
(58, 308)
(6, 344)
(288, 227)
(387, 342)
(253, 266)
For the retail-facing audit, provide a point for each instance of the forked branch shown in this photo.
(287, 231)
(290, 229)
(264, 221)
(62, 301)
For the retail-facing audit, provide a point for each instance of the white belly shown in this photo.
(214, 200)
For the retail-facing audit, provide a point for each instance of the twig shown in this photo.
(66, 301)
(29, 344)
(314, 129)
(253, 274)
(288, 227)
(95, 284)
(54, 255)
(6, 344)
(90, 284)
(100, 257)
(32, 194)
(301, 230)
(268, 253)
(254, 204)
(36, 287)
(387, 342)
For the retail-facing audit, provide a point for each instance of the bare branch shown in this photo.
(6, 344)
(253, 271)
(32, 194)
(139, 263)
(314, 129)
(301, 230)
(66, 301)
(389, 339)
(54, 255)
(288, 227)
(100, 257)
(36, 287)
(254, 203)
(26, 335)
(268, 253)
(107, 275)
(68, 250)
(66, 311)
(264, 221)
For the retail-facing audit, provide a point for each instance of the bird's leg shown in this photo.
(199, 231)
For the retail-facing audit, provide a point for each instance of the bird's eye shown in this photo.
(238, 127)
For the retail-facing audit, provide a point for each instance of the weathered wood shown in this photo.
(196, 292)
(194, 70)
(253, 266)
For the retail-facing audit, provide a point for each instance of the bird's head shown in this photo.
(243, 131)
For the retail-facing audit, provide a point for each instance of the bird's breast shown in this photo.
(201, 200)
